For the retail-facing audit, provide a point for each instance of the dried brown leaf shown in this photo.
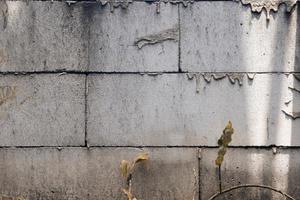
(223, 142)
(125, 168)
(128, 167)
(141, 157)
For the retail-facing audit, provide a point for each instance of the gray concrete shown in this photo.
(251, 166)
(136, 109)
(226, 36)
(43, 36)
(63, 129)
(42, 110)
(113, 35)
(79, 173)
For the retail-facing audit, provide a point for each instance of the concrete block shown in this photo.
(276, 168)
(42, 110)
(136, 39)
(79, 173)
(134, 109)
(43, 36)
(225, 36)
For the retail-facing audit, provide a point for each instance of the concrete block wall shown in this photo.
(82, 88)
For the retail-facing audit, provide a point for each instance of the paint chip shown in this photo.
(268, 5)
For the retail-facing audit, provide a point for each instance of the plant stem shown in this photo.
(220, 179)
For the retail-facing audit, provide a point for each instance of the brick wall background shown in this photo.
(82, 88)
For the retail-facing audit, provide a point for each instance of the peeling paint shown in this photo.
(4, 12)
(169, 34)
(208, 76)
(59, 148)
(293, 115)
(274, 150)
(251, 76)
(115, 3)
(197, 76)
(154, 74)
(268, 5)
(190, 76)
(294, 89)
(236, 77)
(7, 93)
(70, 2)
(183, 2)
(297, 76)
(216, 76)
(288, 102)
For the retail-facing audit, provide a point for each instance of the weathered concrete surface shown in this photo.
(165, 109)
(43, 36)
(251, 166)
(226, 36)
(79, 173)
(113, 35)
(39, 110)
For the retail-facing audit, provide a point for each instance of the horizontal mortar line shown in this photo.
(147, 146)
(116, 1)
(64, 72)
(193, 146)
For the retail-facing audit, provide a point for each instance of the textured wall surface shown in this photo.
(85, 85)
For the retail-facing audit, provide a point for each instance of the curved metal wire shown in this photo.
(249, 186)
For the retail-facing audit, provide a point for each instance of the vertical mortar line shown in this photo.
(179, 39)
(199, 173)
(90, 15)
(85, 109)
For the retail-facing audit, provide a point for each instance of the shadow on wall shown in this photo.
(294, 187)
(281, 129)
